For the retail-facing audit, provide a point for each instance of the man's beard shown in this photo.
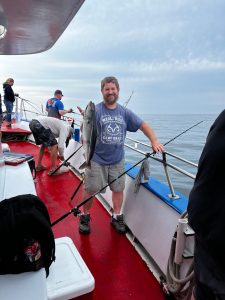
(109, 100)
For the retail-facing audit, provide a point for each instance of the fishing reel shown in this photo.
(66, 163)
(76, 211)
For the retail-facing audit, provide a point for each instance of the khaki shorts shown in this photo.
(99, 176)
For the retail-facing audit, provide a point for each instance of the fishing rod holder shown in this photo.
(173, 195)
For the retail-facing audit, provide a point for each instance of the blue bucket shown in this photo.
(77, 134)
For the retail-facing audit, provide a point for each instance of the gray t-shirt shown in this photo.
(59, 129)
(112, 125)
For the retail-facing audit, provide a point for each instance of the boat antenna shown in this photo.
(128, 100)
(76, 210)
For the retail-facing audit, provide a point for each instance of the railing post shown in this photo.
(16, 110)
(172, 195)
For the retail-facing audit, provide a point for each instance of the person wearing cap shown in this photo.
(45, 131)
(55, 107)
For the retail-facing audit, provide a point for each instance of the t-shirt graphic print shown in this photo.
(112, 129)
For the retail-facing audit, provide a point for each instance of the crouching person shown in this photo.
(45, 131)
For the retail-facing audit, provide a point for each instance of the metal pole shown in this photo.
(172, 195)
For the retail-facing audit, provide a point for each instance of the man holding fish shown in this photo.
(103, 142)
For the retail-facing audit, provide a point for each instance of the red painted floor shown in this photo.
(5, 129)
(118, 270)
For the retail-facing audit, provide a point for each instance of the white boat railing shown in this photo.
(165, 163)
(25, 110)
(20, 109)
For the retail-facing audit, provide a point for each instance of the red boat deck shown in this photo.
(119, 271)
(5, 129)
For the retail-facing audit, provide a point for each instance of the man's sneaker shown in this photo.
(118, 224)
(84, 226)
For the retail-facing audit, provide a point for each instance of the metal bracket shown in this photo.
(174, 197)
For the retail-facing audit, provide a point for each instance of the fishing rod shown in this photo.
(128, 100)
(65, 162)
(76, 211)
(77, 188)
(73, 112)
(183, 133)
(37, 113)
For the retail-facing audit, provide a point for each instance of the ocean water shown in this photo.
(188, 146)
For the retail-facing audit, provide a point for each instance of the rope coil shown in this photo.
(181, 288)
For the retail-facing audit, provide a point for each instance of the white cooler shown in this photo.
(69, 276)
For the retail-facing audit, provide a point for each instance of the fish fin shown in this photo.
(137, 180)
(146, 170)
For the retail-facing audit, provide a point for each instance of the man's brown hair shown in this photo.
(109, 79)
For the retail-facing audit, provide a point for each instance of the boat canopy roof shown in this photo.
(31, 26)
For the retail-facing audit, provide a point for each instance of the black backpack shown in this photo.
(27, 240)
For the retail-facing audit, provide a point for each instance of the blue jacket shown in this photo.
(8, 92)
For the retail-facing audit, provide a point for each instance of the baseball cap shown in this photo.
(58, 92)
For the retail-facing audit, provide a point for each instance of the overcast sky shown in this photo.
(170, 53)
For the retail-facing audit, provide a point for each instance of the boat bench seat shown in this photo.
(21, 178)
(69, 277)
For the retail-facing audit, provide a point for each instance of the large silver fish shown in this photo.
(89, 134)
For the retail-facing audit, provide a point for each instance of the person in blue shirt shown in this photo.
(107, 163)
(55, 107)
